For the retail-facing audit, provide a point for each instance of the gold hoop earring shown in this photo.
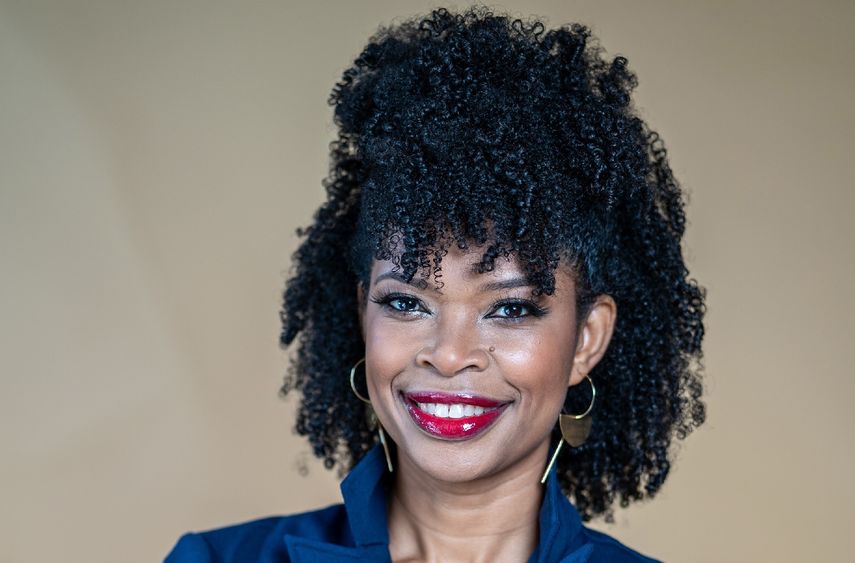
(575, 429)
(364, 399)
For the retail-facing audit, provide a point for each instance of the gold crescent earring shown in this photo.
(373, 416)
(575, 429)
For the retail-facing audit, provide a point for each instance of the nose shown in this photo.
(455, 348)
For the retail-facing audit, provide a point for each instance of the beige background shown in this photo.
(156, 157)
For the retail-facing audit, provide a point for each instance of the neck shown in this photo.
(494, 518)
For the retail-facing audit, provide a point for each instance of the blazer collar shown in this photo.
(365, 491)
(560, 525)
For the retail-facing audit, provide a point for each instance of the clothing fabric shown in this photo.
(357, 531)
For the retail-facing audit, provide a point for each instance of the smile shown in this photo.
(452, 416)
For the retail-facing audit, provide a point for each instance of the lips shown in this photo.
(452, 416)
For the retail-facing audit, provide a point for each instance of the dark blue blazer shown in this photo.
(357, 531)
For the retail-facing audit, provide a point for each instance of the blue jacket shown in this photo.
(357, 531)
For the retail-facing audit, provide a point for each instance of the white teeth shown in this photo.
(456, 410)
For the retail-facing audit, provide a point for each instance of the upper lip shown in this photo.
(453, 398)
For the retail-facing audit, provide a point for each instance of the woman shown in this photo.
(496, 271)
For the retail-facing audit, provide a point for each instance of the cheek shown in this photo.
(539, 364)
(545, 346)
(389, 349)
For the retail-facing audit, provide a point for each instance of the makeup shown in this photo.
(452, 416)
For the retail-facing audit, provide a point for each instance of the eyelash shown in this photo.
(533, 310)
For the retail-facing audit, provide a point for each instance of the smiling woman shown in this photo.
(500, 227)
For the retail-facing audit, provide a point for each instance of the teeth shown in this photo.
(456, 410)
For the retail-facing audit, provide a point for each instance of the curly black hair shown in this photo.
(477, 129)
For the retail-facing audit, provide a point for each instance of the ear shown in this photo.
(595, 333)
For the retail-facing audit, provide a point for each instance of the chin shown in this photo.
(450, 461)
(450, 468)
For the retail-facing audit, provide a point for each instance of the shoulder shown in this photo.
(261, 539)
(605, 548)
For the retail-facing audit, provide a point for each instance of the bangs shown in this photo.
(415, 227)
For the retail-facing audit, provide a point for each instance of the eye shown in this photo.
(405, 304)
(400, 303)
(516, 309)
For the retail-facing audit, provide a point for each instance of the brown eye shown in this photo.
(517, 309)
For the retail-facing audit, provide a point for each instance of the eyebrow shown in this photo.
(489, 286)
(397, 276)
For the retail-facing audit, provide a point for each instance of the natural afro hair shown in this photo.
(477, 129)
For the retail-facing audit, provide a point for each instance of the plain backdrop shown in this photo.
(156, 158)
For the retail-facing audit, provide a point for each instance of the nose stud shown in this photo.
(492, 348)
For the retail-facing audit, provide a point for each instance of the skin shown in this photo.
(476, 499)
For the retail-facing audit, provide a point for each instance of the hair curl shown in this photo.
(475, 128)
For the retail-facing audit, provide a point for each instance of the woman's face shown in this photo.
(468, 379)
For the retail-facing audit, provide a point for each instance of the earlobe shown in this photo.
(595, 333)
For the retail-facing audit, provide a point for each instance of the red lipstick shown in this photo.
(452, 416)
